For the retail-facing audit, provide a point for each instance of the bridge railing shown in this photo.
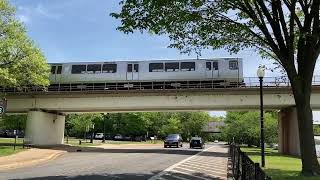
(246, 82)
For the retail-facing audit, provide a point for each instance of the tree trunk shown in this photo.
(302, 93)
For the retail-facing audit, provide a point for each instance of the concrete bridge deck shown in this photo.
(155, 100)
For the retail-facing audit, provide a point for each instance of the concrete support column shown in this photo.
(45, 128)
(289, 142)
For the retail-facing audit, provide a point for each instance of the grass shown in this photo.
(75, 142)
(279, 166)
(8, 150)
(11, 140)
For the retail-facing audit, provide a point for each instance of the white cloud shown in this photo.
(27, 13)
(44, 12)
(24, 18)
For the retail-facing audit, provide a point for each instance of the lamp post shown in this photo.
(104, 126)
(92, 133)
(260, 74)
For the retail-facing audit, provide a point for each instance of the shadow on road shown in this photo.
(131, 176)
(75, 149)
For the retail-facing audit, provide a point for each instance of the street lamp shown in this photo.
(92, 133)
(104, 126)
(260, 74)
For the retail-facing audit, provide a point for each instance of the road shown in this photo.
(121, 163)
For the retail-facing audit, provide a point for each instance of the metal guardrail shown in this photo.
(243, 168)
(247, 82)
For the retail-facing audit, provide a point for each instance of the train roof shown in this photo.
(150, 60)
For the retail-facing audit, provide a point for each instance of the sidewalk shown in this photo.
(28, 158)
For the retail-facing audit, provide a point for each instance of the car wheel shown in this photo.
(181, 145)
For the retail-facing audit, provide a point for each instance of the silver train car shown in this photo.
(219, 70)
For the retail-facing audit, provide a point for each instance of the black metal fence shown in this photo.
(243, 168)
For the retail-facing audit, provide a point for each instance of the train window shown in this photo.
(109, 68)
(208, 66)
(53, 69)
(171, 67)
(78, 69)
(233, 65)
(59, 69)
(94, 68)
(129, 68)
(188, 66)
(155, 67)
(215, 65)
(136, 68)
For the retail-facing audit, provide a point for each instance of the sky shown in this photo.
(82, 30)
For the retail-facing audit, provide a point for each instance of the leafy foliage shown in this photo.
(21, 62)
(13, 122)
(139, 124)
(244, 128)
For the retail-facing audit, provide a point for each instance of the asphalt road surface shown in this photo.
(117, 163)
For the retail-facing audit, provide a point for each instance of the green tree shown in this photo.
(21, 62)
(193, 123)
(79, 124)
(316, 128)
(283, 30)
(173, 126)
(14, 122)
(244, 128)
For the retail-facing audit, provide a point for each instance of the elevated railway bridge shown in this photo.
(46, 108)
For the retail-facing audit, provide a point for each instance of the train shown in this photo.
(171, 73)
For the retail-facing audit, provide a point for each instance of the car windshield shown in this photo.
(172, 136)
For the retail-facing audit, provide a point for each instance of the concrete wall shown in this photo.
(45, 128)
(289, 142)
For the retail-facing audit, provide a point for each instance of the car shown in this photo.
(118, 137)
(99, 136)
(196, 142)
(173, 140)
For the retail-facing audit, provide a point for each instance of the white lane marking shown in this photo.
(188, 174)
(204, 168)
(195, 171)
(177, 164)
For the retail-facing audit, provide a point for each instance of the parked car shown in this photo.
(196, 142)
(98, 136)
(173, 140)
(109, 137)
(118, 137)
(139, 138)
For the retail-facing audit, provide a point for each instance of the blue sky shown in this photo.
(82, 30)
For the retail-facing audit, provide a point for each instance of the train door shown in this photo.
(212, 69)
(215, 69)
(132, 71)
(56, 71)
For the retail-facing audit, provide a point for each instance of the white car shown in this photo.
(98, 136)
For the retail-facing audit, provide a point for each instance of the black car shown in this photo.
(173, 140)
(196, 142)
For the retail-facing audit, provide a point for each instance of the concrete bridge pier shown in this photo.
(44, 128)
(289, 142)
